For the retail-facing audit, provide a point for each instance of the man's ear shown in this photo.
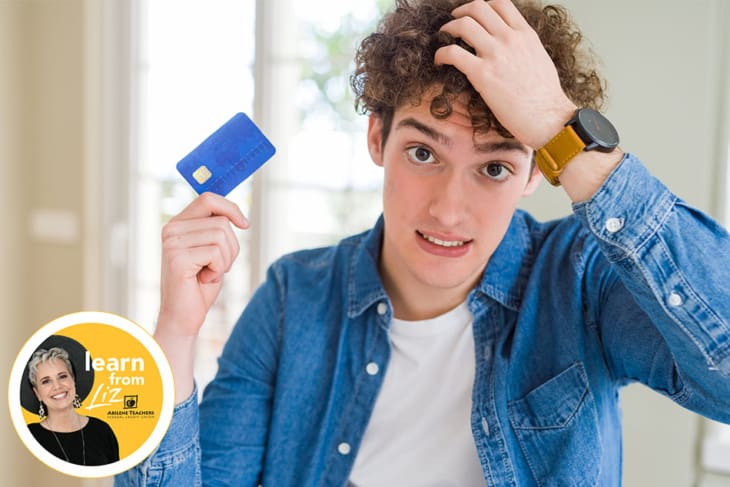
(534, 182)
(375, 139)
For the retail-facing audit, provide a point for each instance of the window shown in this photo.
(193, 68)
(331, 187)
(323, 185)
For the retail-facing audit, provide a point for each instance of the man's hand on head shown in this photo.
(510, 69)
(518, 81)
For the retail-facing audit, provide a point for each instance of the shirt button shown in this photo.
(343, 448)
(675, 299)
(382, 308)
(485, 426)
(613, 225)
(372, 368)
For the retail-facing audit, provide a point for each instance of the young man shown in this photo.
(459, 342)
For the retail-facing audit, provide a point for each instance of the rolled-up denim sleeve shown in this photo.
(666, 321)
(176, 462)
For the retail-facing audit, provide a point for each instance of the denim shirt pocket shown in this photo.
(556, 425)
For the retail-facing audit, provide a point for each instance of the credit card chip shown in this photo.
(202, 174)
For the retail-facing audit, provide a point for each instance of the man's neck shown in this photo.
(413, 301)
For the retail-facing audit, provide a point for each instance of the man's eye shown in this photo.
(496, 171)
(420, 155)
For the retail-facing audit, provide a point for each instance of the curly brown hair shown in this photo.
(395, 64)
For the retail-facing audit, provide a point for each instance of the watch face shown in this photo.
(595, 130)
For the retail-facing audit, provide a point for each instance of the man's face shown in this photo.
(448, 198)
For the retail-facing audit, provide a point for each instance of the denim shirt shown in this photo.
(631, 287)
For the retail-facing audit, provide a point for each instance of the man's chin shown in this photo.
(448, 280)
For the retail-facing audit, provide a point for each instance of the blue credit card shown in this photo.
(227, 157)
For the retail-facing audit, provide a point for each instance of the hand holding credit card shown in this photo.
(227, 157)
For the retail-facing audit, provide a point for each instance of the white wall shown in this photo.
(664, 60)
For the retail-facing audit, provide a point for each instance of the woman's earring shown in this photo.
(77, 401)
(42, 412)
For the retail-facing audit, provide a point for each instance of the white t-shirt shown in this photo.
(419, 434)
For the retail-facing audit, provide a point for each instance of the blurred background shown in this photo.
(100, 98)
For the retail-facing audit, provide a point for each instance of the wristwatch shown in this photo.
(587, 130)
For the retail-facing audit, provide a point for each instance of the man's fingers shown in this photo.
(174, 230)
(212, 262)
(486, 16)
(205, 237)
(460, 58)
(177, 233)
(209, 276)
(470, 31)
(210, 204)
(509, 14)
(206, 264)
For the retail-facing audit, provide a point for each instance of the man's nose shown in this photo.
(449, 200)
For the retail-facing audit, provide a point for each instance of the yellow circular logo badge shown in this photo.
(91, 394)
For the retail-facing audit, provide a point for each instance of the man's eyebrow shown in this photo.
(495, 146)
(425, 130)
(502, 145)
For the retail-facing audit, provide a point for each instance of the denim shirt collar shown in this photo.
(508, 269)
(502, 281)
(365, 287)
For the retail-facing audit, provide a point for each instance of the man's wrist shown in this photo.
(180, 352)
(551, 125)
(585, 174)
(588, 143)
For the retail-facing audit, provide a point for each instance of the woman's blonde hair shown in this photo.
(42, 355)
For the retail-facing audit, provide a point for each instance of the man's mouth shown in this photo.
(443, 243)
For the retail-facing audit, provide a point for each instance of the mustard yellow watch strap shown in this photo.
(553, 156)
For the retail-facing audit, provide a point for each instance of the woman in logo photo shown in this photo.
(73, 437)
